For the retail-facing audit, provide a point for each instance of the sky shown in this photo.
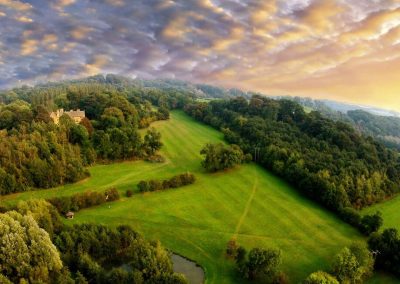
(346, 50)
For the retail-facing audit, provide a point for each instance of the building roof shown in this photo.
(76, 113)
(70, 213)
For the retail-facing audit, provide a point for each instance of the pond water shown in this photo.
(193, 273)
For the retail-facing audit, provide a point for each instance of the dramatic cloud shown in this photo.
(339, 49)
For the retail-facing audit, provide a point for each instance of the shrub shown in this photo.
(82, 200)
(129, 193)
(174, 182)
(112, 194)
(143, 186)
(371, 223)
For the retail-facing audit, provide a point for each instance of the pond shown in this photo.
(193, 273)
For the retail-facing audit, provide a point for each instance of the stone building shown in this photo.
(76, 115)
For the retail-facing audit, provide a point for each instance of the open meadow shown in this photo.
(196, 221)
(390, 212)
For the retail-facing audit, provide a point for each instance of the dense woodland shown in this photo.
(384, 128)
(327, 160)
(50, 252)
(37, 153)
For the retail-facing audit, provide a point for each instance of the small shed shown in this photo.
(70, 215)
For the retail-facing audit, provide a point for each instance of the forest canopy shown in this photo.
(327, 160)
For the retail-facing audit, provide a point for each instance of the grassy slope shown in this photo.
(198, 220)
(390, 212)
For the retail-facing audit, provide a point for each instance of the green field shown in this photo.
(196, 221)
(390, 212)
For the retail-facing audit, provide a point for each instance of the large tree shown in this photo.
(26, 251)
(220, 157)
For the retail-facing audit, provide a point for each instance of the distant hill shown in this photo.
(384, 125)
(345, 107)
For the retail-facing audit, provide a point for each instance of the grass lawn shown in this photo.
(390, 212)
(196, 221)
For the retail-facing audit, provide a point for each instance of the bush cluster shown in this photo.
(82, 200)
(366, 224)
(174, 182)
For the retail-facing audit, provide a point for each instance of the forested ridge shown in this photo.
(327, 160)
(37, 153)
(385, 127)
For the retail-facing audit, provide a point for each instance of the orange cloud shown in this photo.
(373, 27)
(24, 19)
(28, 47)
(262, 12)
(16, 5)
(80, 32)
(65, 3)
(50, 41)
(321, 16)
(96, 66)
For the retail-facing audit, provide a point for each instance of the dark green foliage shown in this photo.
(327, 160)
(351, 216)
(162, 113)
(371, 223)
(129, 192)
(386, 248)
(261, 263)
(240, 255)
(367, 224)
(174, 182)
(232, 248)
(39, 156)
(97, 254)
(82, 200)
(220, 157)
(111, 194)
(36, 153)
(152, 141)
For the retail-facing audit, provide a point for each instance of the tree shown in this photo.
(152, 141)
(321, 277)
(261, 262)
(4, 280)
(80, 279)
(163, 113)
(346, 267)
(36, 257)
(386, 247)
(371, 223)
(240, 255)
(41, 114)
(231, 248)
(220, 157)
(85, 122)
(44, 214)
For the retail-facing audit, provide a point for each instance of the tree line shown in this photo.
(83, 200)
(173, 182)
(327, 160)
